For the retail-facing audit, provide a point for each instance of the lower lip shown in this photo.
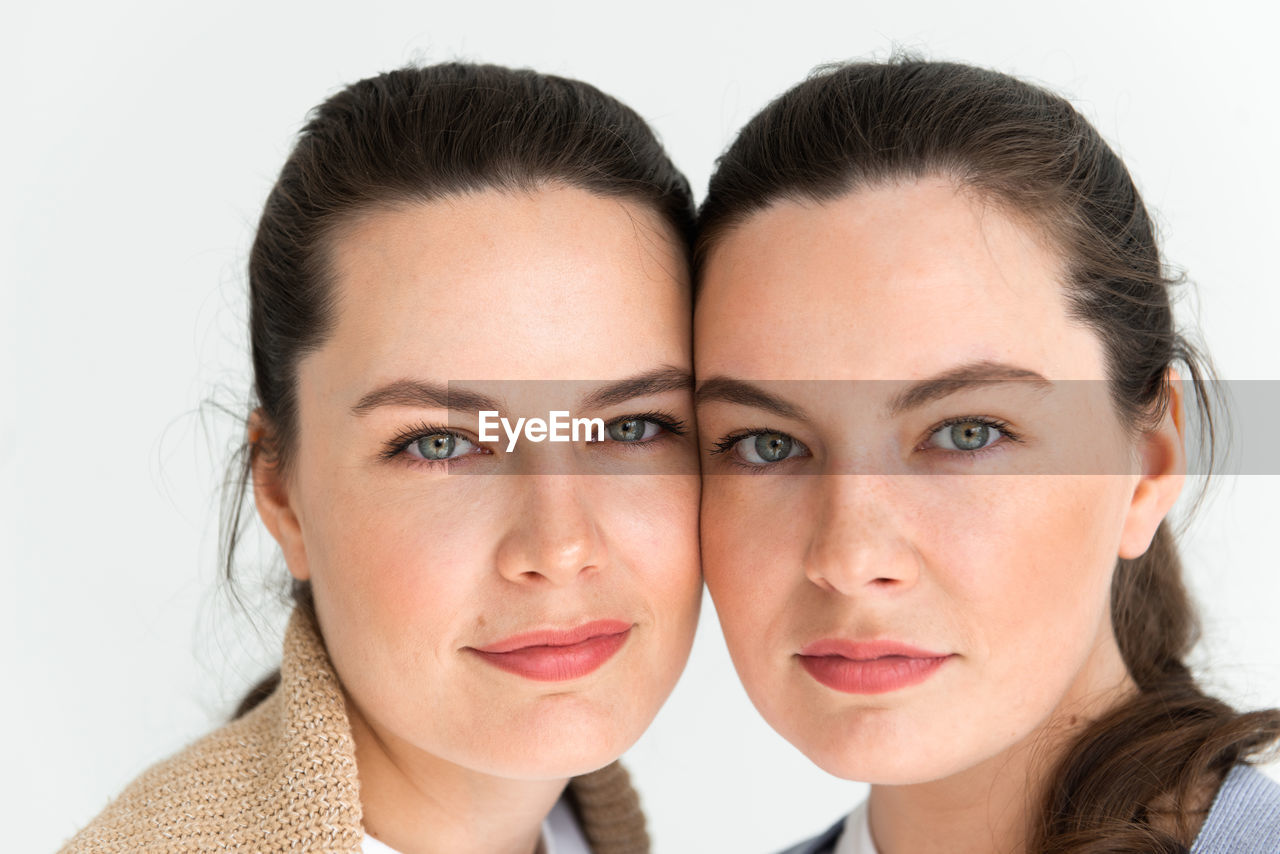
(557, 663)
(870, 676)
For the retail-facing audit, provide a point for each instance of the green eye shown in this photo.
(633, 429)
(762, 449)
(439, 446)
(629, 430)
(968, 435)
(771, 447)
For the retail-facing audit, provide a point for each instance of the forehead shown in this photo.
(551, 283)
(892, 282)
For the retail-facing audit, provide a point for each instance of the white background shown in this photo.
(138, 143)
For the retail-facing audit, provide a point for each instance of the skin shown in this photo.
(414, 564)
(999, 560)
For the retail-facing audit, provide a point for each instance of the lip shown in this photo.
(557, 655)
(869, 667)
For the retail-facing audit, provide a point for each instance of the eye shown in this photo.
(632, 429)
(639, 429)
(966, 435)
(434, 447)
(763, 447)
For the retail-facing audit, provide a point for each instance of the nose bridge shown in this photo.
(551, 533)
(859, 540)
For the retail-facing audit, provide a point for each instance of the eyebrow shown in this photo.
(653, 382)
(743, 393)
(960, 378)
(423, 394)
(407, 392)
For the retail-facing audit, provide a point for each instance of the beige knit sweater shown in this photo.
(283, 778)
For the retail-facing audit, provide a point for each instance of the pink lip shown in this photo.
(869, 667)
(555, 655)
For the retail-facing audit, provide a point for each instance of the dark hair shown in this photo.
(1133, 780)
(418, 135)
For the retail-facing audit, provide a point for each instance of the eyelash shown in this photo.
(398, 444)
(994, 423)
(726, 444)
(667, 421)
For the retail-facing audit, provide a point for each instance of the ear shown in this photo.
(271, 495)
(1164, 469)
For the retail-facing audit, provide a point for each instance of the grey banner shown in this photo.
(663, 424)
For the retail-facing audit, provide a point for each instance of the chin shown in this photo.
(549, 760)
(551, 765)
(877, 746)
(566, 740)
(881, 767)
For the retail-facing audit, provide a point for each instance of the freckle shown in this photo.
(480, 621)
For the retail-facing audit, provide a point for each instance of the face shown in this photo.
(517, 611)
(915, 486)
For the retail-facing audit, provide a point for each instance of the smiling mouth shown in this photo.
(557, 655)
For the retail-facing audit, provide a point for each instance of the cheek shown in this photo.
(391, 555)
(651, 525)
(751, 548)
(1029, 571)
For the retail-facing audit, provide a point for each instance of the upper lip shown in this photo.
(867, 650)
(556, 637)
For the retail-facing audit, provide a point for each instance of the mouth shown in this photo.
(557, 655)
(869, 667)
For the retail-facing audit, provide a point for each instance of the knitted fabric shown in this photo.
(283, 778)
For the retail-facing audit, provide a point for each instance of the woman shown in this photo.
(973, 601)
(469, 653)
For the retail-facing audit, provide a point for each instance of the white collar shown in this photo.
(561, 834)
(856, 836)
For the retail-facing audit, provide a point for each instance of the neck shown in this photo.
(989, 807)
(421, 804)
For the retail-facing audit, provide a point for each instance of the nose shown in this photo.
(552, 534)
(858, 542)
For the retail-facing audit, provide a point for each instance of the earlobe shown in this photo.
(1164, 468)
(271, 496)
